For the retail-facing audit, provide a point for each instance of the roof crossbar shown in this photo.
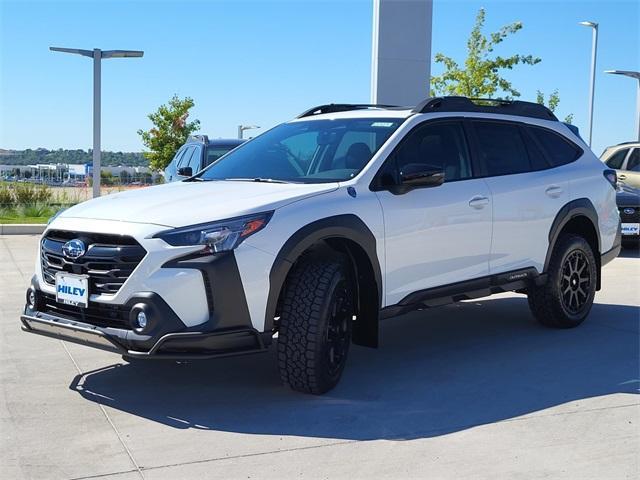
(341, 107)
(485, 105)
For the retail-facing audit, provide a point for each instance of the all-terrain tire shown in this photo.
(565, 300)
(315, 325)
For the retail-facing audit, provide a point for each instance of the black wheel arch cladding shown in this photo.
(580, 207)
(349, 234)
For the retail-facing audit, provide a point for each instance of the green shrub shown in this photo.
(6, 197)
(36, 210)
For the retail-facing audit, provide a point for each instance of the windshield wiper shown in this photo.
(258, 179)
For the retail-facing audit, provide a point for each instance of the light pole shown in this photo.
(594, 49)
(635, 75)
(242, 128)
(97, 56)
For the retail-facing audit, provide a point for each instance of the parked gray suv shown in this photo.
(198, 153)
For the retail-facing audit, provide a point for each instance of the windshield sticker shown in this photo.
(382, 124)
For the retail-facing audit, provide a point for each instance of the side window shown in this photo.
(633, 163)
(214, 153)
(194, 162)
(537, 158)
(559, 151)
(183, 161)
(617, 159)
(178, 156)
(502, 148)
(436, 145)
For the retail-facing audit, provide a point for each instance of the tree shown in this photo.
(125, 177)
(552, 103)
(480, 76)
(170, 131)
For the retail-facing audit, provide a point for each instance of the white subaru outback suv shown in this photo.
(315, 230)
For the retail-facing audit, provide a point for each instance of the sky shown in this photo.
(263, 62)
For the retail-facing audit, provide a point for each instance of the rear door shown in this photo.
(438, 235)
(527, 193)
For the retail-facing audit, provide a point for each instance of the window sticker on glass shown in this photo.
(382, 124)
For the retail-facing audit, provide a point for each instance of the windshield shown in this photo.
(313, 151)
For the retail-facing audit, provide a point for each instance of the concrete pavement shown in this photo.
(472, 390)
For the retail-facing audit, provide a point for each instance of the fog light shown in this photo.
(31, 298)
(141, 319)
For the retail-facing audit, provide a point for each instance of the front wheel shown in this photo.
(565, 300)
(315, 325)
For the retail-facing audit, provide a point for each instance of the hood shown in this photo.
(628, 196)
(188, 203)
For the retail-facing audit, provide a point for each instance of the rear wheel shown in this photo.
(565, 300)
(315, 325)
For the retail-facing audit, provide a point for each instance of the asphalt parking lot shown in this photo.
(473, 390)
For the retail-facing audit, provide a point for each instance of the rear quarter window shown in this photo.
(559, 150)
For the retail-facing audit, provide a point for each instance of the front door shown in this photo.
(437, 235)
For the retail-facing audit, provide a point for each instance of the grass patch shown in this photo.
(28, 213)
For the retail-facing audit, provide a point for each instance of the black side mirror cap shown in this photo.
(185, 172)
(418, 175)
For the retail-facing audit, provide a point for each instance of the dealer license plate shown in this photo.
(631, 229)
(72, 289)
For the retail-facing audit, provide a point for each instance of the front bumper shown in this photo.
(226, 331)
(178, 345)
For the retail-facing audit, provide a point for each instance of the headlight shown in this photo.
(218, 236)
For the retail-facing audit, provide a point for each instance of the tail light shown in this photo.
(611, 177)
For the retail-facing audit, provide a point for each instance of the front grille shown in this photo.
(108, 261)
(630, 218)
(98, 314)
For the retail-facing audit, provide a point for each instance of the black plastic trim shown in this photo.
(172, 346)
(225, 292)
(490, 105)
(340, 226)
(575, 208)
(466, 290)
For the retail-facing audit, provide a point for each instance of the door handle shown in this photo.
(554, 191)
(622, 176)
(478, 202)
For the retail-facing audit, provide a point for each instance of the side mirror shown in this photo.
(185, 172)
(418, 175)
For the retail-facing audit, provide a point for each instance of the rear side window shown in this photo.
(617, 159)
(502, 148)
(559, 151)
(633, 163)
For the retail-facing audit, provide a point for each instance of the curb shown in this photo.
(22, 228)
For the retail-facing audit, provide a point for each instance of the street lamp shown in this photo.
(242, 128)
(594, 48)
(635, 75)
(97, 56)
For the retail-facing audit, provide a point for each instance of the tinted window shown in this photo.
(633, 163)
(194, 162)
(183, 161)
(617, 159)
(436, 146)
(502, 148)
(178, 156)
(215, 152)
(559, 151)
(537, 158)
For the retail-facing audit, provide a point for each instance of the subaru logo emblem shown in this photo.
(74, 248)
(629, 211)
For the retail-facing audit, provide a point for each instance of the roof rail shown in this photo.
(341, 107)
(199, 138)
(484, 105)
